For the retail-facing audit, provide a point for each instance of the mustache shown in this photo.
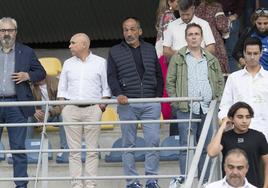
(130, 38)
(7, 37)
(235, 176)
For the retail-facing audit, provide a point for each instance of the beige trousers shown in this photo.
(74, 134)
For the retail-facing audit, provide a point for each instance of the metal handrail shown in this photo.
(194, 165)
(45, 151)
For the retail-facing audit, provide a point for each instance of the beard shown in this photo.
(7, 41)
(262, 33)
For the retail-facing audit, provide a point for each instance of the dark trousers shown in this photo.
(17, 137)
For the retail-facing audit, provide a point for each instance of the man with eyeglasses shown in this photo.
(259, 30)
(18, 67)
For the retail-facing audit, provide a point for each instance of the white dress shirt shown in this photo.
(174, 36)
(84, 80)
(242, 86)
(223, 184)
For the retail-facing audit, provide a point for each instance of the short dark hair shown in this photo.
(134, 18)
(252, 41)
(190, 25)
(185, 4)
(236, 151)
(239, 105)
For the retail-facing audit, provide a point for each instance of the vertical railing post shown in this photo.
(45, 161)
(200, 145)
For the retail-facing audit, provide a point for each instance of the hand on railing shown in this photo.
(39, 115)
(122, 99)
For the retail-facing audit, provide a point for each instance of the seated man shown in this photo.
(235, 167)
(43, 91)
(240, 136)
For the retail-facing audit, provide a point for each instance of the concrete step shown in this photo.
(106, 140)
(105, 169)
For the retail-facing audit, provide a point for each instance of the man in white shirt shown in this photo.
(235, 167)
(174, 36)
(249, 85)
(83, 77)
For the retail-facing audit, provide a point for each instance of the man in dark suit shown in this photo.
(18, 67)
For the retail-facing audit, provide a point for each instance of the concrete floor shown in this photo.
(107, 137)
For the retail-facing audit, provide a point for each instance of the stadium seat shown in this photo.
(64, 157)
(116, 156)
(2, 155)
(109, 115)
(170, 155)
(32, 144)
(52, 65)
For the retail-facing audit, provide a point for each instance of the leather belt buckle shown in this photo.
(84, 105)
(8, 97)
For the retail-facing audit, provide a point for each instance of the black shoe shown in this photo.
(135, 185)
(152, 185)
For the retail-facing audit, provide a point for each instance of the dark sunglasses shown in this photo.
(262, 11)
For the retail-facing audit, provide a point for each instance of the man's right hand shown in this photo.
(227, 124)
(39, 115)
(122, 99)
(242, 62)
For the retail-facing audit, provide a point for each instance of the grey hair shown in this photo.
(237, 152)
(9, 20)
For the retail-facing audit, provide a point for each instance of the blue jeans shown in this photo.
(63, 142)
(230, 44)
(196, 129)
(140, 111)
(16, 137)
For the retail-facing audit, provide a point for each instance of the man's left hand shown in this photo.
(20, 77)
(102, 107)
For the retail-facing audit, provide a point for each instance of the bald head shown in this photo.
(79, 45)
(83, 38)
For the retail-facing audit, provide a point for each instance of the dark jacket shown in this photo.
(252, 32)
(123, 77)
(26, 61)
(238, 50)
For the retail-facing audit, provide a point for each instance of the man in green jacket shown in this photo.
(194, 72)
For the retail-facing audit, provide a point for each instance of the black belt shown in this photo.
(8, 97)
(84, 105)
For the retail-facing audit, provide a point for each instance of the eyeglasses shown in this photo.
(261, 11)
(8, 30)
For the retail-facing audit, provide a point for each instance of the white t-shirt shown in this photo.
(174, 36)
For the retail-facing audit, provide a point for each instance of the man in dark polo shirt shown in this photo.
(134, 72)
(18, 67)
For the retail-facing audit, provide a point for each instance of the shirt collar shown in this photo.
(87, 58)
(182, 22)
(11, 49)
(261, 72)
(189, 52)
(224, 183)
